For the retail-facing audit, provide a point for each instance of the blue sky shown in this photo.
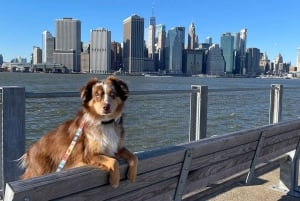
(273, 25)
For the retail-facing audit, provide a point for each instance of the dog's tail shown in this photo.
(22, 161)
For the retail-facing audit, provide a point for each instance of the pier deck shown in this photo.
(262, 188)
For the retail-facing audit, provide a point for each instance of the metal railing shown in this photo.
(183, 113)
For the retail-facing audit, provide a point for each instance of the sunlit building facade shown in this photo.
(68, 43)
(48, 47)
(37, 55)
(100, 51)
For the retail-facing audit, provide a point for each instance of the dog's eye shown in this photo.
(113, 95)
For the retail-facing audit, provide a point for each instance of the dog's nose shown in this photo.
(106, 107)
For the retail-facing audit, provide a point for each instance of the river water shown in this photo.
(153, 121)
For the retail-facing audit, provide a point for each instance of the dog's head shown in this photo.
(104, 99)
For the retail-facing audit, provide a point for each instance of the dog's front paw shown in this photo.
(114, 180)
(132, 171)
(131, 175)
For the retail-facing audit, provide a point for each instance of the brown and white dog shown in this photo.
(101, 141)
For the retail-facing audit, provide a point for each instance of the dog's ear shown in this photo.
(86, 90)
(121, 87)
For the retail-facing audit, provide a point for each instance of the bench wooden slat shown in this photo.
(221, 166)
(282, 127)
(164, 189)
(222, 155)
(220, 143)
(160, 158)
(161, 191)
(144, 181)
(278, 149)
(59, 184)
(209, 175)
(283, 137)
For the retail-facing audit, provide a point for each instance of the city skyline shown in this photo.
(272, 26)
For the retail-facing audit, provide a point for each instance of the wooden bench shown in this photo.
(185, 172)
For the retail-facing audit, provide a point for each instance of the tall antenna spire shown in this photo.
(152, 8)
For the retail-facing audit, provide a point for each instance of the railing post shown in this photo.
(198, 112)
(275, 103)
(12, 128)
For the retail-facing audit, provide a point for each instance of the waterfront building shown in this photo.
(100, 51)
(215, 62)
(116, 56)
(236, 42)
(37, 55)
(227, 41)
(236, 53)
(264, 63)
(48, 47)
(298, 60)
(160, 46)
(208, 40)
(204, 46)
(85, 58)
(19, 60)
(278, 63)
(133, 44)
(148, 65)
(151, 35)
(192, 37)
(242, 50)
(1, 60)
(68, 43)
(66, 58)
(174, 49)
(252, 61)
(193, 61)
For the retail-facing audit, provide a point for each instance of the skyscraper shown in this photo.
(68, 43)
(252, 61)
(1, 60)
(242, 50)
(237, 40)
(215, 62)
(192, 37)
(48, 47)
(100, 51)
(277, 63)
(298, 60)
(116, 56)
(174, 48)
(151, 35)
(208, 40)
(160, 46)
(236, 53)
(227, 41)
(85, 58)
(37, 55)
(133, 44)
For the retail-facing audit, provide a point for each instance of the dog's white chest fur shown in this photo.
(106, 138)
(110, 139)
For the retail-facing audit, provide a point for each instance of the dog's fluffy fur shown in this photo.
(101, 141)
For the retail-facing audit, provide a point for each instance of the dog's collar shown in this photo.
(108, 122)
